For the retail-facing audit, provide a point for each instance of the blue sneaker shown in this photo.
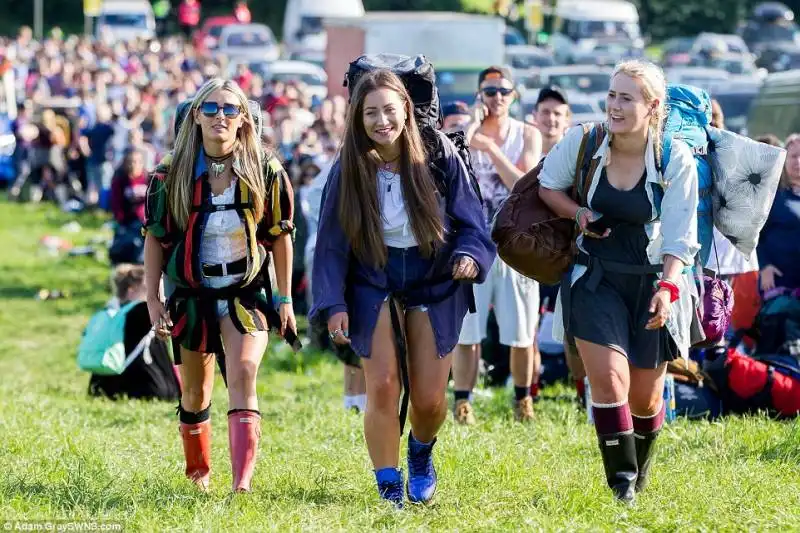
(421, 474)
(390, 485)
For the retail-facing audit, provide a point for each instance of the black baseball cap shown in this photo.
(495, 72)
(455, 108)
(551, 93)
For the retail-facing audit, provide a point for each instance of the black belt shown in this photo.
(225, 269)
(596, 268)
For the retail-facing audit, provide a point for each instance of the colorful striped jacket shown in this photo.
(192, 306)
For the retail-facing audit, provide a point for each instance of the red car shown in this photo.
(206, 38)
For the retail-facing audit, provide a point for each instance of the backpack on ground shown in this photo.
(532, 239)
(748, 384)
(102, 348)
(419, 78)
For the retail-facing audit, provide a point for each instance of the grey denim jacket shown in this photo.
(673, 233)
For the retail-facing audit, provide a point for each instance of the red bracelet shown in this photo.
(674, 290)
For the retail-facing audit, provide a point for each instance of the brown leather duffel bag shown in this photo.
(532, 239)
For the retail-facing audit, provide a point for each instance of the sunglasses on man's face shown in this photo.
(211, 109)
(491, 92)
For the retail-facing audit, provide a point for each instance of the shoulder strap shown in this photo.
(586, 164)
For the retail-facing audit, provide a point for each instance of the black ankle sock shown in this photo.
(521, 392)
(193, 418)
(254, 411)
(461, 395)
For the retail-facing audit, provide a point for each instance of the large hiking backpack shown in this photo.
(688, 119)
(419, 78)
(102, 348)
(748, 384)
(737, 176)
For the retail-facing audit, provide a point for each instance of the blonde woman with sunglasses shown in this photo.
(215, 206)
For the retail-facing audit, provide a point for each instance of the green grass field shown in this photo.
(66, 456)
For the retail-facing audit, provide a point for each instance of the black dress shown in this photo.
(615, 312)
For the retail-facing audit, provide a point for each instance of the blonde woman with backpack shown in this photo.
(214, 207)
(629, 299)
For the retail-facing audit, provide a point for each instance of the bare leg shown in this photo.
(428, 375)
(243, 353)
(381, 423)
(466, 359)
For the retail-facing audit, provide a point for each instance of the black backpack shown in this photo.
(419, 77)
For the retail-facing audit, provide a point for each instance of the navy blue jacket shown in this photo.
(779, 244)
(341, 283)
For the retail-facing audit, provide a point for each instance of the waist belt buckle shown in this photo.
(224, 269)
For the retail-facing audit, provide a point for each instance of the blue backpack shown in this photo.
(689, 115)
(102, 348)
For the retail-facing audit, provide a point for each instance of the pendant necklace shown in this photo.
(218, 164)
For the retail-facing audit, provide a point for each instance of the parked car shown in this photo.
(703, 78)
(578, 78)
(735, 100)
(525, 60)
(606, 53)
(207, 37)
(313, 76)
(248, 41)
(125, 20)
(776, 108)
(677, 52)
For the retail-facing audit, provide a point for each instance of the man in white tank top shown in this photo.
(503, 150)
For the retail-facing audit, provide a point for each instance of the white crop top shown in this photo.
(224, 239)
(397, 231)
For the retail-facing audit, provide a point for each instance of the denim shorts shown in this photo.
(404, 267)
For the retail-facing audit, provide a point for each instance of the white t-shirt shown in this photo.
(731, 260)
(397, 231)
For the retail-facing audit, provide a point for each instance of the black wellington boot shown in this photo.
(645, 444)
(619, 459)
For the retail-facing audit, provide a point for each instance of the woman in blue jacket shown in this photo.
(394, 249)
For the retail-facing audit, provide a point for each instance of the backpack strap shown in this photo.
(586, 164)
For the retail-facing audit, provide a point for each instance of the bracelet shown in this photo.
(285, 300)
(578, 214)
(674, 290)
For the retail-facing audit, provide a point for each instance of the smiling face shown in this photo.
(627, 110)
(384, 116)
(552, 118)
(223, 125)
(497, 95)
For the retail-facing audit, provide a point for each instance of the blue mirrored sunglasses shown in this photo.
(491, 92)
(210, 109)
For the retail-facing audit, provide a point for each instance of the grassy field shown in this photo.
(66, 456)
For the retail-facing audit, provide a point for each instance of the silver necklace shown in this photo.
(217, 165)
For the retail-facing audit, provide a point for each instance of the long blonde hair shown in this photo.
(654, 87)
(247, 150)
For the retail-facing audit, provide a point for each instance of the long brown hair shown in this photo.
(359, 210)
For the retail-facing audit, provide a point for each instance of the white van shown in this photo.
(582, 24)
(303, 23)
(125, 20)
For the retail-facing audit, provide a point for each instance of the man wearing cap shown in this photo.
(456, 117)
(503, 150)
(552, 116)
